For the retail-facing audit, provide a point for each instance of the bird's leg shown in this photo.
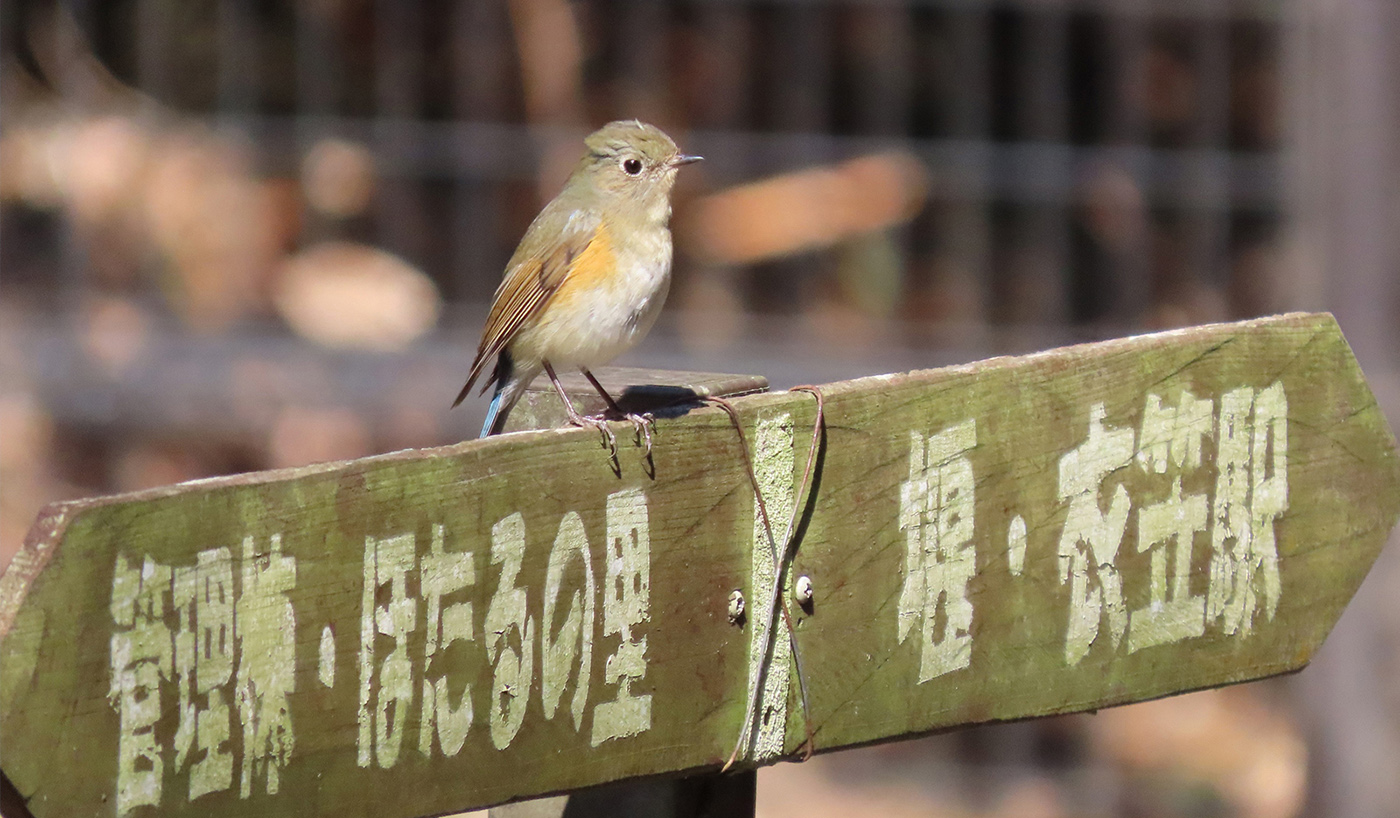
(608, 399)
(642, 423)
(609, 439)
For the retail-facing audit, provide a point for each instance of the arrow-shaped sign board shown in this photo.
(430, 631)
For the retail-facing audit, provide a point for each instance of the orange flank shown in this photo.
(559, 279)
(591, 269)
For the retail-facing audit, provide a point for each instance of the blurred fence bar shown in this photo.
(239, 63)
(402, 223)
(1033, 288)
(966, 224)
(1123, 245)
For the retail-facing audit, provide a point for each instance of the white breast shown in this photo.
(600, 323)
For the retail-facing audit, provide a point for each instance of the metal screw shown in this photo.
(736, 607)
(803, 591)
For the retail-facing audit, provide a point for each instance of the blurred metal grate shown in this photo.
(1089, 160)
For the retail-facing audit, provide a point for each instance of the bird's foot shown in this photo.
(643, 425)
(609, 439)
(597, 422)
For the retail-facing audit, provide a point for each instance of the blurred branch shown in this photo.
(807, 209)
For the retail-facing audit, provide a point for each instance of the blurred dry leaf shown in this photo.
(304, 435)
(835, 318)
(551, 72)
(213, 220)
(338, 177)
(551, 58)
(104, 161)
(349, 295)
(28, 438)
(412, 427)
(1033, 797)
(807, 209)
(1114, 207)
(27, 482)
(141, 186)
(145, 465)
(835, 786)
(30, 165)
(116, 332)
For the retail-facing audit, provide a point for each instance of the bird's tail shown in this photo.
(495, 418)
(510, 386)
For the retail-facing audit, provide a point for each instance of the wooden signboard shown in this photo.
(430, 631)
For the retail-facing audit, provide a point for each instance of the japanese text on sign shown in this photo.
(1250, 432)
(224, 653)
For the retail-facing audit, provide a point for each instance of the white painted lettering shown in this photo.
(445, 573)
(204, 657)
(571, 645)
(384, 707)
(1172, 436)
(1251, 492)
(626, 606)
(1091, 537)
(141, 654)
(325, 666)
(1172, 613)
(265, 627)
(506, 614)
(936, 509)
(1016, 545)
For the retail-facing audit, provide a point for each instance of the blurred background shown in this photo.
(240, 234)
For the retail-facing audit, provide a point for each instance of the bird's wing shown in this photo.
(531, 279)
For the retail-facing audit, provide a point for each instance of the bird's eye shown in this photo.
(632, 166)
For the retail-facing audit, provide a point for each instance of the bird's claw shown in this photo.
(609, 439)
(643, 426)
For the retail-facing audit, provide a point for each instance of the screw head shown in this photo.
(736, 607)
(803, 591)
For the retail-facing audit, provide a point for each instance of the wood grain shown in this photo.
(975, 542)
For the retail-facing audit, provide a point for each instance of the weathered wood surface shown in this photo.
(403, 635)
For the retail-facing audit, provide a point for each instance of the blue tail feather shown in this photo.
(494, 409)
(504, 398)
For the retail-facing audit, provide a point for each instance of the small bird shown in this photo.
(590, 274)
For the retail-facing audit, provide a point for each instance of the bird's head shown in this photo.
(633, 164)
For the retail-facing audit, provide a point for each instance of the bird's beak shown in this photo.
(683, 159)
